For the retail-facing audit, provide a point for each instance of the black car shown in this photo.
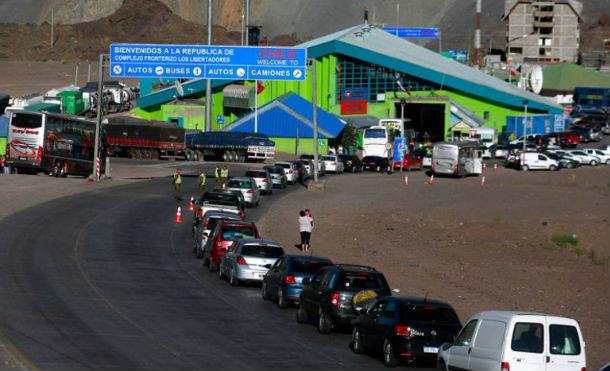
(376, 163)
(406, 328)
(301, 170)
(564, 162)
(351, 163)
(333, 294)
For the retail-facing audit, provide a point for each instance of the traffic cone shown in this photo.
(179, 215)
(483, 181)
(495, 168)
(406, 180)
(191, 205)
(431, 181)
(484, 167)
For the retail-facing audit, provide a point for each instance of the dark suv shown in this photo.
(411, 329)
(334, 292)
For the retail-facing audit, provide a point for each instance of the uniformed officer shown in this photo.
(201, 183)
(217, 177)
(224, 176)
(177, 182)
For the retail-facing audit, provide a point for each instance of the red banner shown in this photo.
(353, 107)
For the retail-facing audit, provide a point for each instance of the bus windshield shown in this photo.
(375, 133)
(26, 120)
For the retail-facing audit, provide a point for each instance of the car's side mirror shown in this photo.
(306, 281)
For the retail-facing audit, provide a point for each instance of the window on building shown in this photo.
(486, 115)
(353, 73)
(516, 50)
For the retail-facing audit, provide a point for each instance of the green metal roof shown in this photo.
(564, 77)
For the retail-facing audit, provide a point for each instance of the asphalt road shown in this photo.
(107, 281)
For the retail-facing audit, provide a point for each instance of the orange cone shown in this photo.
(191, 205)
(406, 180)
(495, 168)
(484, 167)
(483, 181)
(431, 181)
(179, 215)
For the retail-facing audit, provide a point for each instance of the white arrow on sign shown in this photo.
(159, 70)
(297, 73)
(117, 69)
(197, 71)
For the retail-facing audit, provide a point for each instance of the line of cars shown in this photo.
(554, 159)
(359, 299)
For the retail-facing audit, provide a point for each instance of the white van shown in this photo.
(514, 341)
(537, 161)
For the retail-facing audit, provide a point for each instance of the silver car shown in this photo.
(247, 187)
(290, 170)
(249, 260)
(262, 178)
(278, 176)
(205, 225)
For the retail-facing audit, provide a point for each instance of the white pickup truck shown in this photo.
(221, 200)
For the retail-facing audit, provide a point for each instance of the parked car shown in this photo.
(564, 139)
(427, 160)
(515, 341)
(410, 162)
(303, 173)
(222, 237)
(530, 138)
(249, 260)
(587, 134)
(513, 159)
(247, 187)
(409, 328)
(205, 225)
(308, 166)
(605, 367)
(500, 150)
(321, 167)
(584, 158)
(563, 161)
(330, 294)
(604, 158)
(605, 148)
(376, 163)
(290, 170)
(537, 161)
(284, 281)
(351, 163)
(220, 200)
(262, 177)
(333, 163)
(278, 176)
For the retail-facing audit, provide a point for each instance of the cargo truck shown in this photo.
(230, 146)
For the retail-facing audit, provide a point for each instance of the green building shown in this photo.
(365, 74)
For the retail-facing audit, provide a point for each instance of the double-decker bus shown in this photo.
(52, 143)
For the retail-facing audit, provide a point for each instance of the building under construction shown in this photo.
(542, 30)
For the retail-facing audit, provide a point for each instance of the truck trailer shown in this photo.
(230, 146)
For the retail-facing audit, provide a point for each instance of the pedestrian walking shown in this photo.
(201, 183)
(224, 176)
(305, 227)
(177, 182)
(217, 177)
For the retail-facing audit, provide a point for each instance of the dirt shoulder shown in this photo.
(478, 247)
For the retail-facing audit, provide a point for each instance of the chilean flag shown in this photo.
(402, 87)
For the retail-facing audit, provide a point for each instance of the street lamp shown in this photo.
(524, 130)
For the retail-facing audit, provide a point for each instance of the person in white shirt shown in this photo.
(305, 227)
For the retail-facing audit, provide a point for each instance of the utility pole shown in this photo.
(247, 22)
(477, 34)
(52, 27)
(208, 84)
(76, 75)
(243, 25)
(397, 17)
(98, 125)
(315, 119)
(524, 130)
(440, 41)
(89, 71)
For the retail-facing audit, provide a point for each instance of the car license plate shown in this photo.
(22, 158)
(430, 349)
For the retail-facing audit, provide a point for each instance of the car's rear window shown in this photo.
(285, 166)
(239, 184)
(214, 220)
(359, 281)
(262, 251)
(308, 266)
(256, 174)
(427, 313)
(528, 337)
(564, 340)
(328, 158)
(229, 232)
(225, 197)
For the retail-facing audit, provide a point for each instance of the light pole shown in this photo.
(208, 83)
(524, 130)
(314, 79)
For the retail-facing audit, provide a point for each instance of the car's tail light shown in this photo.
(200, 213)
(289, 171)
(402, 330)
(583, 369)
(240, 261)
(504, 366)
(207, 222)
(290, 279)
(282, 176)
(456, 169)
(251, 192)
(333, 163)
(240, 215)
(204, 237)
(334, 299)
(265, 181)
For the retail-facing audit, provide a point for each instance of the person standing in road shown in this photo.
(224, 176)
(305, 227)
(177, 182)
(217, 177)
(201, 183)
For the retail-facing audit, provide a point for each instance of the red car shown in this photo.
(565, 138)
(221, 238)
(411, 161)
